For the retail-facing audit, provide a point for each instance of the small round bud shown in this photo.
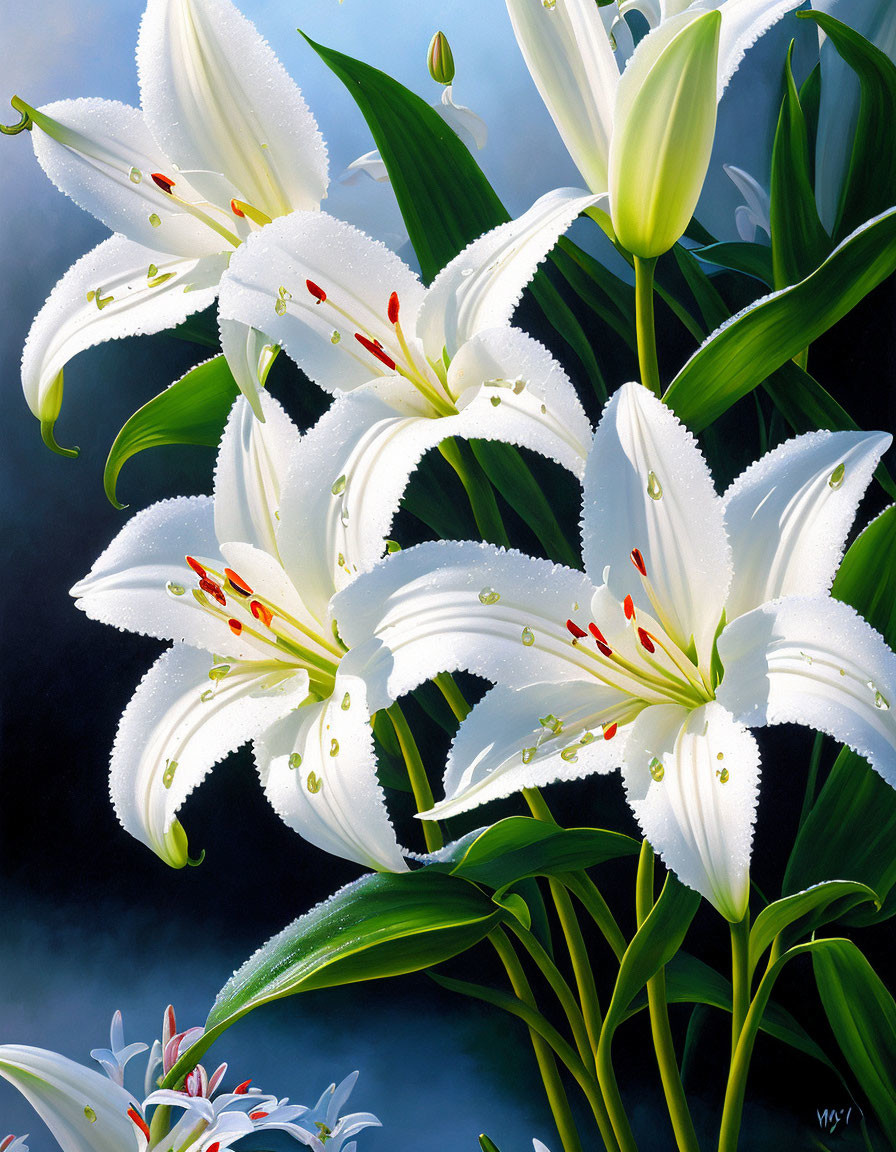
(440, 59)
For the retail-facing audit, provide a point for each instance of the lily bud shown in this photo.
(176, 850)
(440, 59)
(665, 121)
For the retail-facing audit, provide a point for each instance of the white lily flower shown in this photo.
(226, 576)
(224, 142)
(114, 1059)
(12, 1143)
(591, 91)
(755, 215)
(696, 616)
(411, 365)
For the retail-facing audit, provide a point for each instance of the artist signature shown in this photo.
(830, 1119)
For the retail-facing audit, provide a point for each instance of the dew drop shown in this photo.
(835, 480)
(343, 515)
(207, 695)
(724, 776)
(657, 771)
(570, 755)
(465, 272)
(495, 401)
(284, 293)
(295, 760)
(489, 596)
(175, 589)
(551, 723)
(544, 409)
(528, 755)
(155, 221)
(338, 486)
(842, 671)
(90, 1114)
(151, 271)
(168, 774)
(91, 296)
(334, 747)
(807, 657)
(654, 488)
(550, 5)
(218, 672)
(881, 702)
(587, 738)
(280, 306)
(340, 560)
(314, 783)
(135, 175)
(528, 637)
(720, 755)
(346, 702)
(335, 337)
(392, 546)
(518, 386)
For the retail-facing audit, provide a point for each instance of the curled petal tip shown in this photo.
(25, 124)
(46, 432)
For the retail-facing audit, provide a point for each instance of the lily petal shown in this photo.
(267, 286)
(530, 737)
(647, 487)
(692, 780)
(482, 285)
(117, 289)
(250, 355)
(469, 127)
(788, 515)
(568, 54)
(85, 1110)
(813, 661)
(444, 606)
(318, 769)
(102, 154)
(176, 727)
(743, 22)
(250, 472)
(216, 97)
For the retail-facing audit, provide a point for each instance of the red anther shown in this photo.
(214, 590)
(235, 209)
(214, 1147)
(257, 1115)
(646, 641)
(235, 627)
(201, 572)
(610, 731)
(638, 561)
(137, 1119)
(596, 633)
(604, 649)
(239, 585)
(393, 308)
(265, 615)
(316, 291)
(242, 1089)
(375, 350)
(163, 182)
(575, 629)
(628, 608)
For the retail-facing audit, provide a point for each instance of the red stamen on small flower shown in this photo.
(235, 627)
(638, 561)
(629, 608)
(316, 291)
(646, 641)
(163, 182)
(260, 612)
(236, 210)
(393, 308)
(137, 1119)
(375, 350)
(239, 585)
(213, 589)
(257, 1115)
(242, 1089)
(575, 629)
(201, 572)
(610, 731)
(6, 1142)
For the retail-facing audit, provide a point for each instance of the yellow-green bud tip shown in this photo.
(440, 59)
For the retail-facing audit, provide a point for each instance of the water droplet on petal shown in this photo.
(280, 306)
(495, 400)
(338, 486)
(135, 175)
(549, 5)
(836, 478)
(218, 672)
(720, 755)
(343, 515)
(151, 271)
(465, 272)
(335, 337)
(168, 774)
(587, 738)
(175, 589)
(570, 755)
(518, 386)
(155, 221)
(346, 702)
(654, 488)
(528, 637)
(807, 657)
(528, 755)
(91, 296)
(881, 702)
(295, 760)
(544, 409)
(724, 776)
(89, 1113)
(334, 747)
(207, 695)
(392, 546)
(657, 771)
(314, 783)
(489, 596)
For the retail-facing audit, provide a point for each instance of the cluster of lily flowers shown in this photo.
(92, 1111)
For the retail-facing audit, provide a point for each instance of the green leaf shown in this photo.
(521, 846)
(862, 1016)
(712, 306)
(385, 924)
(758, 340)
(799, 242)
(612, 299)
(797, 916)
(870, 184)
(851, 828)
(193, 410)
(740, 256)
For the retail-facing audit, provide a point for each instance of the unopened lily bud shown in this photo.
(440, 59)
(664, 126)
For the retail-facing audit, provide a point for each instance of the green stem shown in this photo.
(606, 1078)
(417, 775)
(547, 1065)
(740, 978)
(160, 1124)
(479, 492)
(581, 965)
(812, 779)
(454, 698)
(647, 361)
(663, 1044)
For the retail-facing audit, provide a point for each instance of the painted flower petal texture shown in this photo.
(743, 22)
(118, 289)
(85, 1110)
(177, 726)
(788, 515)
(568, 54)
(692, 780)
(754, 215)
(482, 285)
(102, 154)
(647, 487)
(528, 737)
(216, 97)
(813, 661)
(318, 769)
(250, 355)
(469, 127)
